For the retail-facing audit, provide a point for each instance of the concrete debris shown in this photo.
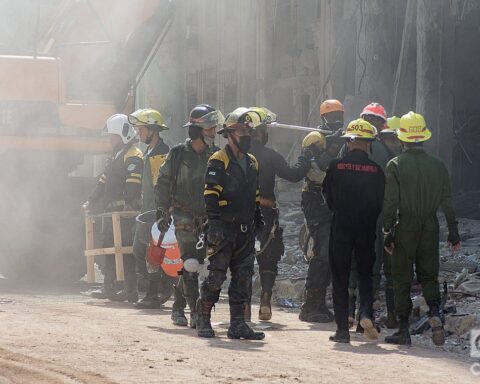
(460, 324)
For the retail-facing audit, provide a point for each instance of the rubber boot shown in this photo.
(150, 301)
(435, 321)
(402, 336)
(203, 325)
(352, 301)
(178, 309)
(265, 311)
(391, 321)
(239, 329)
(247, 312)
(340, 336)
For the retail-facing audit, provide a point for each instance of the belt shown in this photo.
(267, 203)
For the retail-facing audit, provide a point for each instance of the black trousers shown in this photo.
(237, 254)
(272, 249)
(347, 238)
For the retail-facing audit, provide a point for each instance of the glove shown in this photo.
(454, 237)
(304, 160)
(215, 235)
(163, 220)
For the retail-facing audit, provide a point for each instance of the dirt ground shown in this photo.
(51, 337)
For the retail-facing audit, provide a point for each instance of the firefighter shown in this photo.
(417, 185)
(149, 123)
(317, 215)
(375, 114)
(354, 187)
(270, 164)
(118, 189)
(388, 136)
(179, 191)
(232, 200)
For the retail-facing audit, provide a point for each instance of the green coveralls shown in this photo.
(180, 186)
(417, 184)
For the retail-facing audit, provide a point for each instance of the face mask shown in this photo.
(334, 126)
(243, 143)
(209, 141)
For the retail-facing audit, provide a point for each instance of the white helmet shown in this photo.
(118, 125)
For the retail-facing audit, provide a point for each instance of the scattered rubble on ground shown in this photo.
(463, 302)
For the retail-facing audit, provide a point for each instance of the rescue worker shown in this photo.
(417, 186)
(354, 187)
(376, 115)
(179, 191)
(118, 189)
(388, 136)
(232, 200)
(270, 164)
(318, 217)
(149, 123)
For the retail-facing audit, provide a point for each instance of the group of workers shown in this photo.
(222, 201)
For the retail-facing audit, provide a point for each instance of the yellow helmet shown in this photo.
(413, 128)
(360, 129)
(240, 118)
(315, 138)
(266, 116)
(147, 116)
(392, 126)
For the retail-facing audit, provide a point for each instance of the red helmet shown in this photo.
(375, 109)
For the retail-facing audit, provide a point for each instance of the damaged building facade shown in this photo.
(290, 55)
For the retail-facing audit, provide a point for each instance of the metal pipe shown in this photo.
(299, 128)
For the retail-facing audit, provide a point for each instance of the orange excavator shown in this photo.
(65, 67)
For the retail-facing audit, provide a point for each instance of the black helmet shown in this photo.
(200, 111)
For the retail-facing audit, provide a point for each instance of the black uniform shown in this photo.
(272, 164)
(232, 199)
(354, 188)
(118, 189)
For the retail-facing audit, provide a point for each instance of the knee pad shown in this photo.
(191, 265)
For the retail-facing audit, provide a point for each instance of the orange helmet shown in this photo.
(331, 105)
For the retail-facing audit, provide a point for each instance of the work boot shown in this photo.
(247, 312)
(179, 318)
(369, 328)
(192, 304)
(102, 293)
(435, 321)
(340, 336)
(123, 295)
(352, 301)
(150, 301)
(402, 336)
(391, 321)
(239, 329)
(203, 325)
(178, 308)
(265, 311)
(314, 309)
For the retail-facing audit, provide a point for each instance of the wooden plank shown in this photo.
(109, 251)
(117, 242)
(89, 244)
